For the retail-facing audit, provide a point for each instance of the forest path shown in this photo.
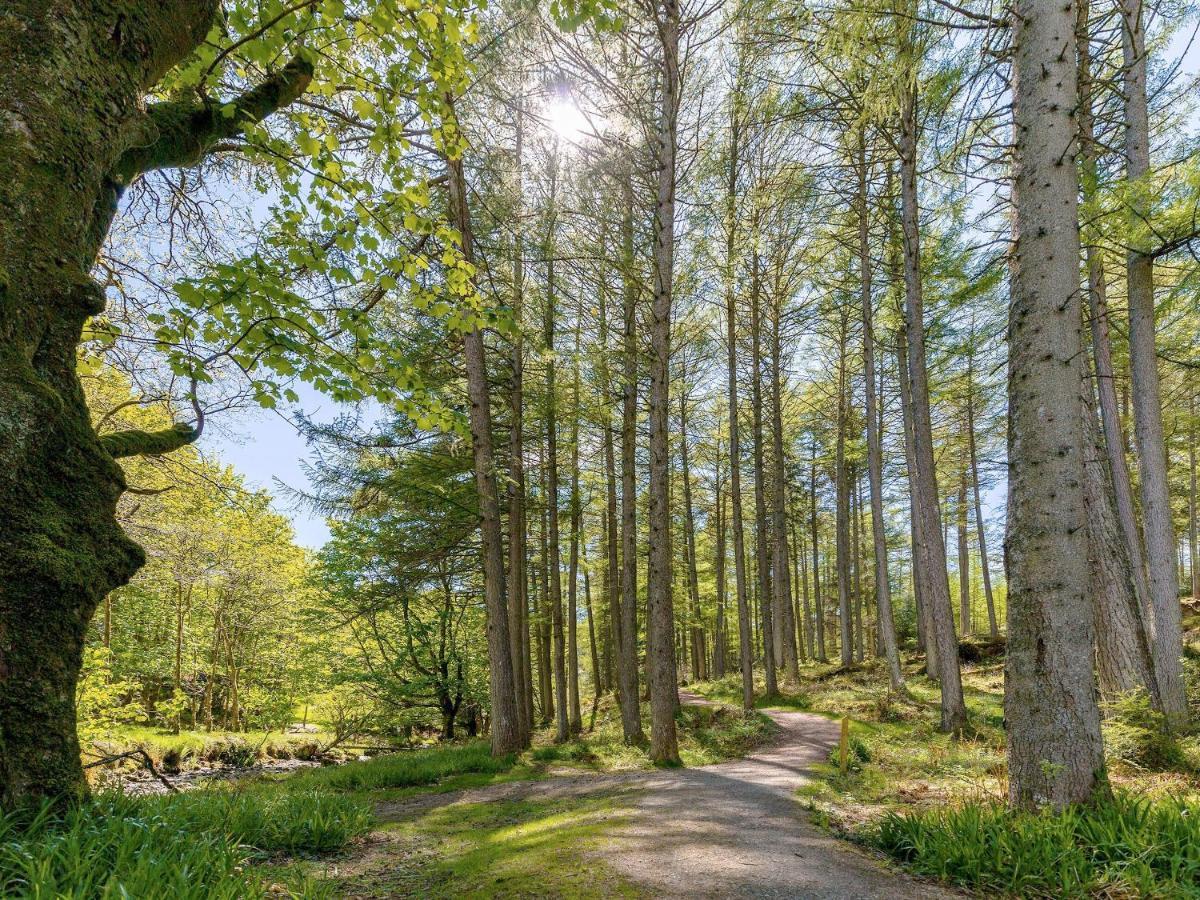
(734, 829)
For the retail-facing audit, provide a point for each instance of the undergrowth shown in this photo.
(185, 846)
(1126, 847)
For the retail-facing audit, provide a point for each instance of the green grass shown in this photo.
(181, 846)
(1124, 848)
(512, 848)
(706, 735)
(417, 768)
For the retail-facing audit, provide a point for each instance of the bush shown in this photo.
(231, 751)
(1120, 848)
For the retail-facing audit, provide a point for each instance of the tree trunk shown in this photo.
(73, 133)
(561, 726)
(1159, 531)
(841, 484)
(575, 720)
(506, 730)
(1055, 751)
(699, 649)
(805, 611)
(856, 556)
(660, 617)
(919, 573)
(1192, 542)
(545, 667)
(932, 555)
(594, 646)
(818, 602)
(720, 641)
(1119, 590)
(612, 581)
(980, 531)
(627, 669)
(1123, 657)
(518, 537)
(745, 638)
(786, 623)
(883, 592)
(964, 557)
(761, 542)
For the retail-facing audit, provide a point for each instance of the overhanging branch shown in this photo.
(121, 444)
(183, 132)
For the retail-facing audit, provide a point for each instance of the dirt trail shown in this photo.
(734, 829)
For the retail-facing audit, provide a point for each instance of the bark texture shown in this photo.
(1055, 751)
(73, 134)
(1165, 621)
(664, 699)
(932, 546)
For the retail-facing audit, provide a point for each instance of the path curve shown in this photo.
(733, 829)
(736, 829)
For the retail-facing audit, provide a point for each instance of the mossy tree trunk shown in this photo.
(73, 133)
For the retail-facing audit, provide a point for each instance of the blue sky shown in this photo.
(268, 449)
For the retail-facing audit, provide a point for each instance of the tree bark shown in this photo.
(786, 622)
(1055, 751)
(761, 541)
(554, 564)
(841, 484)
(660, 618)
(964, 557)
(818, 601)
(699, 648)
(980, 531)
(745, 638)
(919, 574)
(932, 553)
(74, 133)
(627, 670)
(1165, 622)
(575, 717)
(883, 592)
(518, 537)
(506, 730)
(1120, 591)
(720, 638)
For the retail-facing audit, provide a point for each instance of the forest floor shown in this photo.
(730, 829)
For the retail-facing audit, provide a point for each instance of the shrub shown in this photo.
(1123, 847)
(231, 751)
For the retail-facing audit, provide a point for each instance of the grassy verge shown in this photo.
(1125, 848)
(510, 848)
(187, 846)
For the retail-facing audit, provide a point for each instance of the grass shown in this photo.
(1125, 848)
(511, 848)
(706, 735)
(181, 846)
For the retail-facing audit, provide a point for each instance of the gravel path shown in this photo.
(734, 829)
